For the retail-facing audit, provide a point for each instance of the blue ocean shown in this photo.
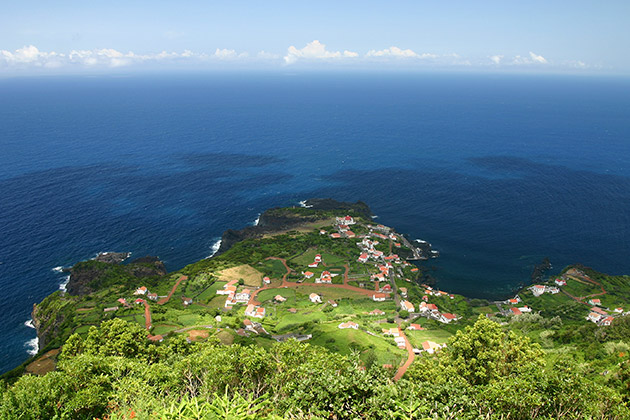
(496, 171)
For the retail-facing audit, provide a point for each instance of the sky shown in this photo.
(578, 36)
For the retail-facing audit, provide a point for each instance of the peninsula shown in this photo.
(319, 290)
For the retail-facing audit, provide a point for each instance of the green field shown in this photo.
(345, 341)
(417, 337)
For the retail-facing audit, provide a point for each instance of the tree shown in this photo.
(484, 352)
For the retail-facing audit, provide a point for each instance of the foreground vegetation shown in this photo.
(485, 372)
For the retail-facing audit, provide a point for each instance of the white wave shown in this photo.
(214, 248)
(303, 204)
(64, 284)
(30, 324)
(58, 269)
(374, 217)
(257, 220)
(32, 346)
(420, 241)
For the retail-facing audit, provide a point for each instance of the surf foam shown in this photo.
(214, 248)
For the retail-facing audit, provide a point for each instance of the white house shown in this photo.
(379, 297)
(594, 302)
(315, 298)
(594, 317)
(537, 289)
(349, 324)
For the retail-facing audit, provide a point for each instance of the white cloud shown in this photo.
(394, 52)
(532, 59)
(496, 59)
(315, 50)
(537, 58)
(31, 57)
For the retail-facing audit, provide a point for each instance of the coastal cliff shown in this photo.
(89, 276)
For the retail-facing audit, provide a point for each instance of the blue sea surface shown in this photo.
(497, 172)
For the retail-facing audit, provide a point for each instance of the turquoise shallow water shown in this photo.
(496, 172)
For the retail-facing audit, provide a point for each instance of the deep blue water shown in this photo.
(496, 172)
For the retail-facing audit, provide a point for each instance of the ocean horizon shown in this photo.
(497, 172)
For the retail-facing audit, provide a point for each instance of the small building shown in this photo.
(415, 327)
(333, 303)
(315, 298)
(403, 291)
(391, 331)
(318, 258)
(594, 317)
(537, 289)
(153, 296)
(525, 309)
(313, 265)
(138, 301)
(379, 297)
(595, 302)
(377, 312)
(156, 338)
(447, 318)
(516, 311)
(112, 309)
(430, 346)
(242, 296)
(227, 290)
(123, 302)
(279, 298)
(266, 280)
(292, 310)
(619, 310)
(363, 258)
(349, 324)
(187, 301)
(560, 282)
(407, 306)
(308, 274)
(386, 288)
(607, 321)
(335, 235)
(400, 342)
(141, 291)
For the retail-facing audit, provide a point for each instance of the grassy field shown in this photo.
(345, 341)
(251, 276)
(417, 337)
(210, 292)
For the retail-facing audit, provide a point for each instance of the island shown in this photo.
(320, 312)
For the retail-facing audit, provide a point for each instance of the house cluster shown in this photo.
(343, 228)
(601, 316)
(234, 297)
(538, 289)
(143, 291)
(255, 311)
(316, 261)
(325, 277)
(395, 332)
(431, 311)
(368, 251)
(429, 291)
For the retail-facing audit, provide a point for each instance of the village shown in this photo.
(366, 293)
